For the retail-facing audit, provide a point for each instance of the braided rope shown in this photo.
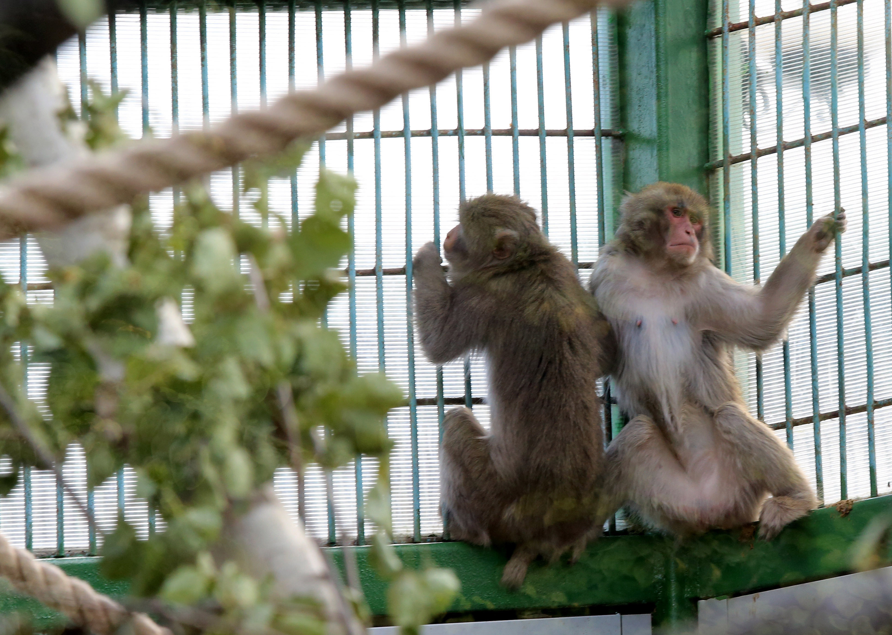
(74, 598)
(48, 198)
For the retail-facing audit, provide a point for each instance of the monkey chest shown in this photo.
(657, 341)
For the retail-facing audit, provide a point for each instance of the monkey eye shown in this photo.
(677, 212)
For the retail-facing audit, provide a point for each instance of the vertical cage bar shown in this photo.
(487, 126)
(809, 215)
(320, 76)
(351, 263)
(320, 71)
(144, 63)
(410, 331)
(462, 194)
(599, 163)
(82, 64)
(571, 155)
(754, 189)
(261, 58)
(515, 133)
(292, 19)
(174, 84)
(837, 201)
(203, 46)
(726, 136)
(865, 256)
(233, 98)
(435, 164)
(540, 94)
(25, 356)
(888, 21)
(781, 198)
(379, 247)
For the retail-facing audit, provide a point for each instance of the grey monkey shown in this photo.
(692, 458)
(532, 481)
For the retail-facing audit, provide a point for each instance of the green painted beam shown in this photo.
(642, 571)
(664, 84)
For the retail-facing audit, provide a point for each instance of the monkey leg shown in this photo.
(644, 472)
(768, 465)
(469, 485)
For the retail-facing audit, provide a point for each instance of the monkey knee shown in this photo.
(732, 413)
(639, 431)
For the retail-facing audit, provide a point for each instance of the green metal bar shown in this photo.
(543, 172)
(487, 127)
(435, 164)
(599, 141)
(410, 321)
(203, 49)
(840, 344)
(25, 357)
(460, 114)
(174, 84)
(726, 136)
(781, 199)
(379, 248)
(571, 155)
(351, 264)
(754, 192)
(261, 58)
(320, 69)
(144, 64)
(292, 19)
(809, 217)
(233, 102)
(865, 259)
(515, 136)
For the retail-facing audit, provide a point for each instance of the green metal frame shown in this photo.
(619, 573)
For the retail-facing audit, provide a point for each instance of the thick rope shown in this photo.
(74, 598)
(48, 198)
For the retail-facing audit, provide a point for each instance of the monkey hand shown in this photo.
(427, 260)
(825, 229)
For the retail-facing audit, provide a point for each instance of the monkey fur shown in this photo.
(533, 480)
(692, 458)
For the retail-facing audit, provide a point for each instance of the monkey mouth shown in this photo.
(690, 246)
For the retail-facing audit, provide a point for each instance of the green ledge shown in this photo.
(642, 571)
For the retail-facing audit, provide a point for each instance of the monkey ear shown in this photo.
(506, 242)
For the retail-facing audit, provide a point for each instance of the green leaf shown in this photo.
(186, 585)
(121, 552)
(238, 473)
(378, 505)
(212, 262)
(414, 598)
(335, 196)
(81, 13)
(382, 556)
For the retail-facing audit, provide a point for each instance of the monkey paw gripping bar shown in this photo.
(47, 198)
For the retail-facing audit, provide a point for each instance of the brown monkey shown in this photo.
(692, 458)
(533, 480)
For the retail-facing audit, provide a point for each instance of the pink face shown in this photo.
(454, 246)
(681, 240)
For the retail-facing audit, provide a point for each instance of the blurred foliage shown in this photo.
(202, 425)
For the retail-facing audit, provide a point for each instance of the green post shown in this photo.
(664, 83)
(664, 106)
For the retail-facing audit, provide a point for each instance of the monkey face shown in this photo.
(455, 247)
(666, 222)
(682, 237)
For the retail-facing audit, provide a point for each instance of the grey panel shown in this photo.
(588, 625)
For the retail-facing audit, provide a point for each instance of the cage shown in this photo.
(778, 110)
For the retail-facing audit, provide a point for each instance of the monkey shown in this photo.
(532, 481)
(691, 457)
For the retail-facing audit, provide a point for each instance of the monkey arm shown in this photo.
(757, 318)
(451, 319)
